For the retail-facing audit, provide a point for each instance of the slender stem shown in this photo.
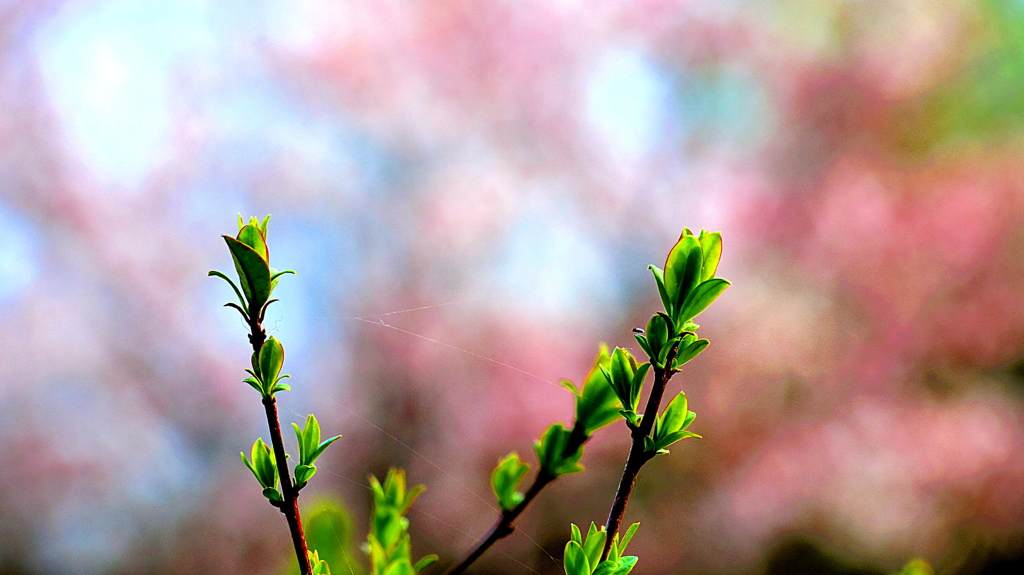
(638, 454)
(504, 526)
(290, 506)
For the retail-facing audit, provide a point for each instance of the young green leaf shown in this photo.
(682, 269)
(252, 236)
(323, 445)
(506, 479)
(254, 383)
(659, 278)
(271, 361)
(280, 386)
(311, 437)
(642, 340)
(551, 452)
(303, 473)
(253, 273)
(673, 417)
(637, 385)
(594, 544)
(275, 277)
(215, 273)
(701, 297)
(575, 535)
(622, 376)
(711, 245)
(671, 426)
(576, 560)
(627, 537)
(424, 562)
(596, 405)
(689, 352)
(262, 464)
(657, 336)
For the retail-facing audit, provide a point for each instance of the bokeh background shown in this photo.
(471, 193)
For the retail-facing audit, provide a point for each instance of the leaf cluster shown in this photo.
(559, 450)
(251, 257)
(264, 468)
(310, 448)
(583, 555)
(388, 542)
(687, 286)
(265, 373)
(671, 426)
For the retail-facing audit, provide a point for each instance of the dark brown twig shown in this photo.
(504, 526)
(290, 505)
(638, 454)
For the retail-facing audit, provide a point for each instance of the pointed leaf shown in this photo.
(672, 438)
(255, 384)
(627, 537)
(711, 245)
(252, 236)
(622, 375)
(253, 271)
(275, 277)
(320, 448)
(690, 351)
(249, 464)
(576, 560)
(659, 278)
(594, 544)
(673, 417)
(301, 440)
(701, 297)
(596, 405)
(637, 385)
(303, 473)
(424, 562)
(657, 335)
(643, 344)
(271, 359)
(682, 269)
(575, 534)
(411, 496)
(570, 386)
(394, 486)
(311, 434)
(506, 478)
(217, 274)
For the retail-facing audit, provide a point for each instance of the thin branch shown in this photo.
(290, 505)
(638, 455)
(504, 526)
